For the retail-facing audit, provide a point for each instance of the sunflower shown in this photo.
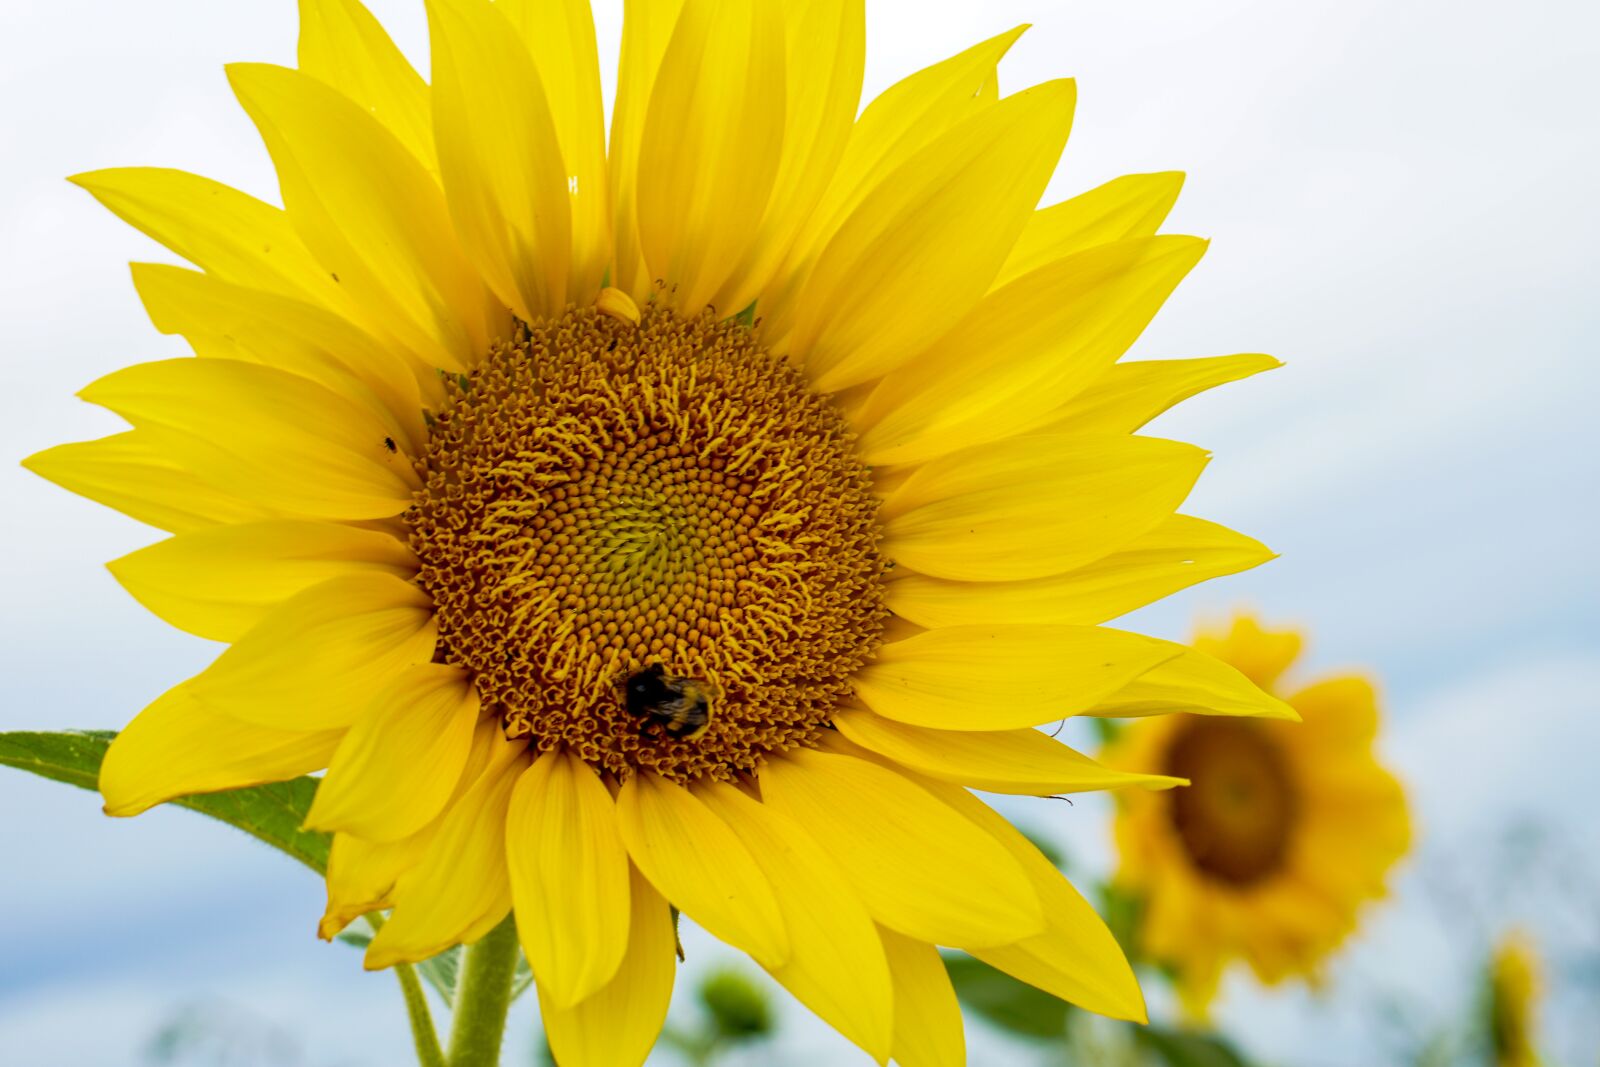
(682, 517)
(1285, 831)
(1513, 995)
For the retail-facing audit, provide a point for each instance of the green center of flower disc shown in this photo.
(603, 500)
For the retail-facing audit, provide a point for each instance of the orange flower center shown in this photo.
(653, 544)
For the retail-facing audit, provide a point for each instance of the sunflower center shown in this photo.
(1237, 817)
(653, 544)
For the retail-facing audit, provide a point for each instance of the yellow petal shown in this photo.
(1341, 711)
(1023, 351)
(905, 118)
(1003, 677)
(225, 232)
(460, 889)
(1075, 958)
(401, 760)
(647, 26)
(1197, 984)
(825, 46)
(989, 93)
(499, 156)
(914, 256)
(390, 243)
(560, 35)
(1175, 555)
(927, 1017)
(836, 966)
(177, 747)
(917, 866)
(267, 435)
(618, 304)
(229, 321)
(569, 877)
(1028, 507)
(712, 137)
(315, 662)
(1132, 394)
(1260, 654)
(343, 45)
(219, 581)
(1134, 205)
(1026, 762)
(893, 128)
(618, 1025)
(127, 472)
(1193, 682)
(362, 874)
(697, 863)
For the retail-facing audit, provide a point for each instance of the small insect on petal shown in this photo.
(619, 305)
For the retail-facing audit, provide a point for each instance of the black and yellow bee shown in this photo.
(679, 707)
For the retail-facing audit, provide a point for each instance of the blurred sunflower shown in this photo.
(1284, 832)
(686, 518)
(1513, 996)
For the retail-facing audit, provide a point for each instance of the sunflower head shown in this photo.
(1284, 831)
(680, 516)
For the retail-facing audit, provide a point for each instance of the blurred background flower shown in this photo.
(1285, 831)
(1513, 998)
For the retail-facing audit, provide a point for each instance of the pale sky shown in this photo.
(1400, 197)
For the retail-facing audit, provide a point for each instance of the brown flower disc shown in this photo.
(601, 497)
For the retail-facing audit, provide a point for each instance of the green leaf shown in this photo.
(1189, 1048)
(1013, 1006)
(522, 978)
(444, 970)
(1123, 912)
(72, 756)
(271, 813)
(441, 972)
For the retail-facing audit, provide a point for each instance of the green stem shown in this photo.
(429, 1052)
(482, 997)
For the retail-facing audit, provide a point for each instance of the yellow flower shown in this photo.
(1286, 830)
(1513, 994)
(686, 518)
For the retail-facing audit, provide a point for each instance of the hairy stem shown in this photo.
(423, 1035)
(482, 997)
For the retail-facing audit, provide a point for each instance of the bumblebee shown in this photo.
(678, 707)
